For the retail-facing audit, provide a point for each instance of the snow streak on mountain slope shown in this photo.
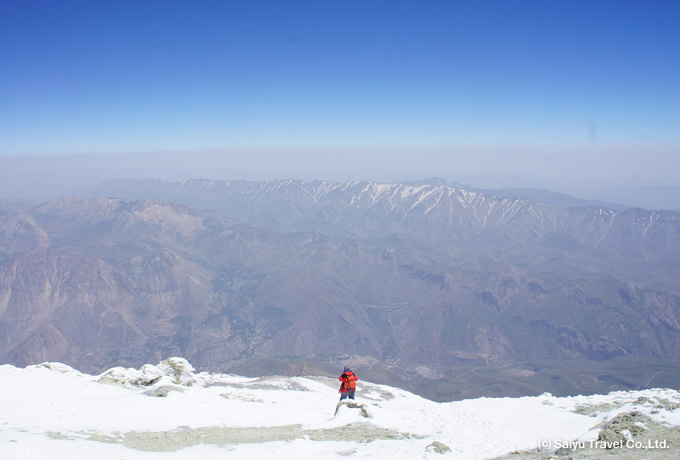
(370, 208)
(167, 412)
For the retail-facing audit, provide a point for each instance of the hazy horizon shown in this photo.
(574, 98)
(618, 176)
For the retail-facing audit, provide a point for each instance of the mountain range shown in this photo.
(448, 291)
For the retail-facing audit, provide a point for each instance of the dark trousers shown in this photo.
(347, 394)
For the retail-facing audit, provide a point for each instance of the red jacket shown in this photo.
(346, 378)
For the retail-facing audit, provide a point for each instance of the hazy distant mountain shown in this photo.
(443, 290)
(542, 196)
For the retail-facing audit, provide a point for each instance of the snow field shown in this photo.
(54, 412)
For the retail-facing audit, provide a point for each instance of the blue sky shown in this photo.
(96, 77)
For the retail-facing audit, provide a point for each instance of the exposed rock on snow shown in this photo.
(634, 427)
(352, 405)
(438, 447)
(174, 440)
(170, 375)
(622, 428)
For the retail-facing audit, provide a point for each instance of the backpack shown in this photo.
(350, 381)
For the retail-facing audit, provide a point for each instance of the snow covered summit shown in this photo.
(168, 411)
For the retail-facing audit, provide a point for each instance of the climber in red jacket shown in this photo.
(349, 384)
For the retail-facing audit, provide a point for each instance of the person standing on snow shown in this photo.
(349, 384)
